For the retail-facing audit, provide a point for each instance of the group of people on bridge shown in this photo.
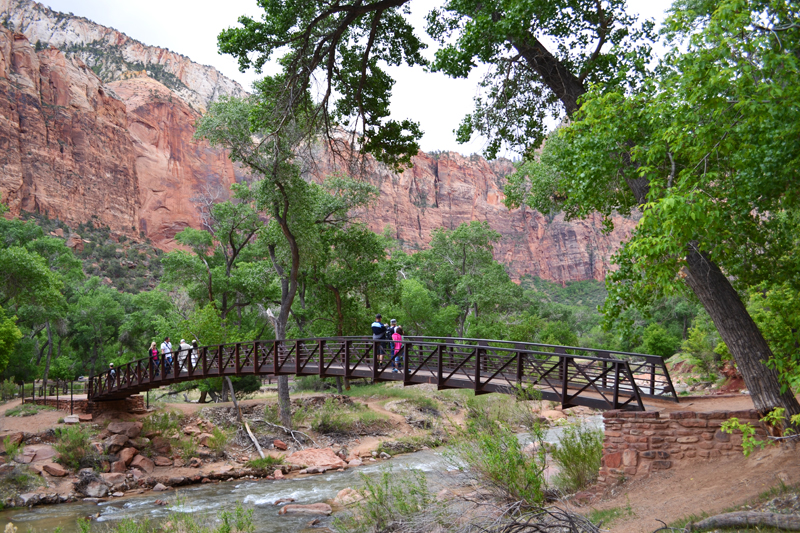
(395, 349)
(186, 356)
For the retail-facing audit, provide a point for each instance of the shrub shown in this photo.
(188, 448)
(165, 423)
(330, 419)
(425, 404)
(240, 520)
(12, 449)
(391, 500)
(488, 450)
(72, 444)
(266, 463)
(578, 455)
(312, 383)
(218, 440)
(272, 413)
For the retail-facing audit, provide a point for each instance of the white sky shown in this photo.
(190, 27)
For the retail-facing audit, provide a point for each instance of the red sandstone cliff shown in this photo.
(74, 148)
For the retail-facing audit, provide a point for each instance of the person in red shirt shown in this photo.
(399, 350)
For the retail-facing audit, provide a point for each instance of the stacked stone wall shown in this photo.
(638, 443)
(129, 404)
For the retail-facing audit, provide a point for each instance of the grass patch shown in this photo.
(411, 444)
(267, 463)
(72, 444)
(187, 447)
(381, 390)
(165, 423)
(13, 449)
(18, 481)
(218, 440)
(424, 404)
(28, 409)
(337, 418)
(577, 455)
(606, 517)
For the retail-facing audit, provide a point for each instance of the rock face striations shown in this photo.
(114, 143)
(115, 56)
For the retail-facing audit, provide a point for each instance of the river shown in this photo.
(210, 499)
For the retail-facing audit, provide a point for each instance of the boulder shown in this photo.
(355, 462)
(114, 443)
(139, 442)
(347, 496)
(202, 438)
(191, 430)
(129, 429)
(54, 470)
(96, 489)
(14, 438)
(159, 487)
(118, 467)
(91, 485)
(178, 462)
(278, 474)
(311, 509)
(126, 455)
(162, 461)
(279, 444)
(161, 446)
(41, 452)
(143, 463)
(195, 462)
(113, 478)
(316, 457)
(176, 480)
(72, 419)
(85, 417)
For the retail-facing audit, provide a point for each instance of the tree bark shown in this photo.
(744, 519)
(740, 333)
(233, 397)
(49, 355)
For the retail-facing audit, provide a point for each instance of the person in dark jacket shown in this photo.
(379, 331)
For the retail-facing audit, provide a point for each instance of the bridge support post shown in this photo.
(255, 357)
(564, 379)
(477, 370)
(237, 362)
(616, 385)
(219, 360)
(439, 367)
(321, 348)
(347, 359)
(519, 370)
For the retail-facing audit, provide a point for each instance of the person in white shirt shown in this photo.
(166, 353)
(185, 351)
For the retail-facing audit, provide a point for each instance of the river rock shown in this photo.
(126, 455)
(118, 494)
(14, 438)
(96, 489)
(355, 462)
(202, 438)
(143, 463)
(279, 444)
(54, 470)
(195, 462)
(178, 462)
(161, 446)
(278, 474)
(311, 509)
(176, 480)
(129, 429)
(347, 496)
(113, 478)
(139, 442)
(160, 487)
(162, 461)
(115, 443)
(316, 457)
(118, 467)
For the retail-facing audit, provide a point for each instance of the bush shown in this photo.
(12, 449)
(240, 520)
(391, 500)
(267, 463)
(165, 423)
(219, 439)
(578, 455)
(272, 413)
(72, 444)
(488, 450)
(312, 383)
(187, 447)
(330, 419)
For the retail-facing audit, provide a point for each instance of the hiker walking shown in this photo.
(112, 375)
(399, 349)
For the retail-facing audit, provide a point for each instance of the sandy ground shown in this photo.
(700, 487)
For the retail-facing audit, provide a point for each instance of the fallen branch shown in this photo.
(786, 522)
(288, 431)
(258, 447)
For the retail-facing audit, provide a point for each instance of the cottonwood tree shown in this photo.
(270, 143)
(711, 140)
(591, 42)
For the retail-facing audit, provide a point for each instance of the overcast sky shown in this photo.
(437, 102)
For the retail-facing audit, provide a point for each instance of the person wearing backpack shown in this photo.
(380, 332)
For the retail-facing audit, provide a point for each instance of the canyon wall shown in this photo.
(118, 146)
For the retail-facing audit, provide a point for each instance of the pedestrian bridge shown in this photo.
(569, 375)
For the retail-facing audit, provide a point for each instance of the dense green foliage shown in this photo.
(577, 454)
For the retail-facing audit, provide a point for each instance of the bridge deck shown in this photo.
(569, 375)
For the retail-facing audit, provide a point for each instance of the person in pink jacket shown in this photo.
(399, 350)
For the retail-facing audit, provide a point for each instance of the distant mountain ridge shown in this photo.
(114, 56)
(99, 127)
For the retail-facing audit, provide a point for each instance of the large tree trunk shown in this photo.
(740, 333)
(49, 356)
(284, 401)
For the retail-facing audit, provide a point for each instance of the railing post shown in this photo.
(255, 357)
(616, 384)
(652, 379)
(205, 360)
(237, 363)
(405, 349)
(321, 358)
(297, 358)
(219, 360)
(57, 407)
(564, 379)
(71, 388)
(519, 370)
(477, 368)
(439, 367)
(374, 361)
(347, 358)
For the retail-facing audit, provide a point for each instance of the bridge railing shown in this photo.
(561, 372)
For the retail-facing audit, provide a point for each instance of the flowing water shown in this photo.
(211, 499)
